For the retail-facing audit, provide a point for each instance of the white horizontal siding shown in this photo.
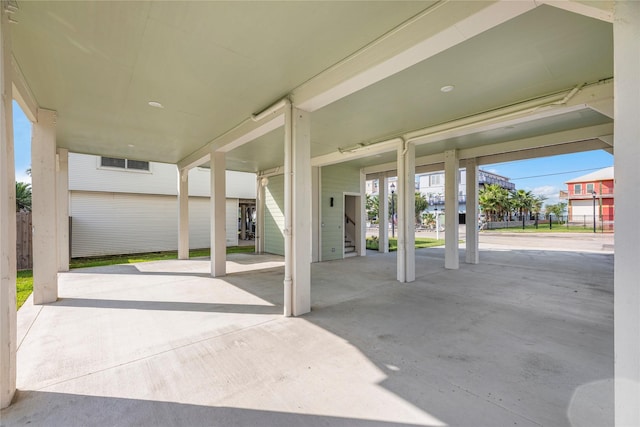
(85, 174)
(274, 216)
(336, 180)
(119, 223)
(232, 222)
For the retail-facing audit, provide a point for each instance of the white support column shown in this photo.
(451, 221)
(243, 221)
(62, 183)
(383, 214)
(218, 215)
(472, 254)
(8, 331)
(297, 205)
(361, 208)
(44, 210)
(259, 239)
(316, 210)
(626, 36)
(406, 213)
(183, 214)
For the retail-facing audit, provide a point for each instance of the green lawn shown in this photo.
(421, 242)
(24, 280)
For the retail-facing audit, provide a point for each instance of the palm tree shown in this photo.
(522, 201)
(23, 196)
(536, 207)
(494, 201)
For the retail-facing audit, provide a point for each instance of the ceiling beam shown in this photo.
(245, 132)
(565, 102)
(357, 152)
(438, 28)
(22, 92)
(485, 151)
(607, 139)
(602, 10)
(552, 150)
(574, 135)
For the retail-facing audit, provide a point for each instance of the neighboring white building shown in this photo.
(123, 206)
(431, 185)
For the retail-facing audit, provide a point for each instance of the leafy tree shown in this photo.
(536, 207)
(23, 196)
(421, 205)
(372, 207)
(557, 209)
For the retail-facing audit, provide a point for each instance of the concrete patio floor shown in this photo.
(525, 338)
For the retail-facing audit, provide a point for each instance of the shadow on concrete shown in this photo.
(168, 306)
(72, 410)
(507, 341)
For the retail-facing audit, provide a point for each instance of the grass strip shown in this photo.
(24, 279)
(421, 242)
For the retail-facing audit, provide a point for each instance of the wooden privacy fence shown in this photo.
(24, 249)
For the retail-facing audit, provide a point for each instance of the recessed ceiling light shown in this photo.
(446, 89)
(155, 104)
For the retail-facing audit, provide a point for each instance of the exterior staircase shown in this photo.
(349, 248)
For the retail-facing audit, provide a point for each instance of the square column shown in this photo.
(62, 183)
(44, 208)
(316, 246)
(472, 254)
(297, 207)
(183, 214)
(8, 331)
(259, 235)
(451, 220)
(406, 260)
(383, 213)
(626, 38)
(361, 208)
(243, 221)
(218, 215)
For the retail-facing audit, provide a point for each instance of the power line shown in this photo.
(558, 173)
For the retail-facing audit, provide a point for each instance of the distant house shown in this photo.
(431, 185)
(122, 206)
(587, 191)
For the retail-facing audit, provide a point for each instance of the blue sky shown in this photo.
(544, 176)
(547, 176)
(22, 143)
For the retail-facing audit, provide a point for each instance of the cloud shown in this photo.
(551, 192)
(546, 190)
(22, 177)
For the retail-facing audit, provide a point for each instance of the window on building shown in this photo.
(436, 179)
(112, 162)
(589, 188)
(577, 188)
